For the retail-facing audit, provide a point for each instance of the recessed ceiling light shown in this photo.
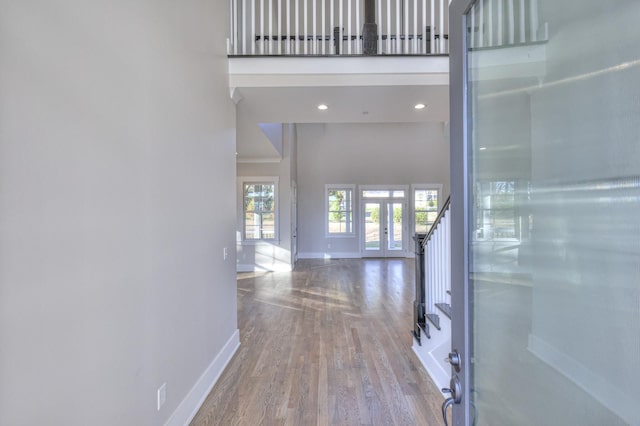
(483, 148)
(322, 107)
(420, 106)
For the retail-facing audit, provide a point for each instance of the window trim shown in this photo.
(260, 180)
(338, 187)
(423, 186)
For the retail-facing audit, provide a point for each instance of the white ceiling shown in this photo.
(356, 90)
(363, 104)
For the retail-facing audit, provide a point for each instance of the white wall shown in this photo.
(116, 199)
(269, 255)
(362, 154)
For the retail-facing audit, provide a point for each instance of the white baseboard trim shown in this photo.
(257, 268)
(190, 405)
(336, 255)
(601, 389)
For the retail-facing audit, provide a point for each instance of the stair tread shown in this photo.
(434, 319)
(445, 308)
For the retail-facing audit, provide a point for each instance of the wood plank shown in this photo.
(328, 343)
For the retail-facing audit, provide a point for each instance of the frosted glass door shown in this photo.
(553, 212)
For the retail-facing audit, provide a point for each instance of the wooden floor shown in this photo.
(327, 344)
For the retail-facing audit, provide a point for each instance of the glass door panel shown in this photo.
(384, 228)
(395, 225)
(372, 228)
(553, 235)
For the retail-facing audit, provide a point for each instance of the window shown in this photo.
(259, 210)
(425, 206)
(339, 199)
(376, 193)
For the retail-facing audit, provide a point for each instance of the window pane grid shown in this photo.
(259, 211)
(425, 208)
(339, 211)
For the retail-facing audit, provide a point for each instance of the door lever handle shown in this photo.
(455, 390)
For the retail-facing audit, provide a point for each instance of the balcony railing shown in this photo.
(337, 27)
(395, 27)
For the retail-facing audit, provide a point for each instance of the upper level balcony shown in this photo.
(364, 58)
(339, 27)
(371, 27)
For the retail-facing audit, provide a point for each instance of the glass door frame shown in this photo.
(460, 206)
(384, 228)
(384, 202)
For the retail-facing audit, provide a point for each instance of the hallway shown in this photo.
(327, 344)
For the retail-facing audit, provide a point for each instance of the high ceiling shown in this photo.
(355, 90)
(363, 104)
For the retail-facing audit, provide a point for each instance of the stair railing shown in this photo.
(437, 249)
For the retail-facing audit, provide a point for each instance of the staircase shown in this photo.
(432, 329)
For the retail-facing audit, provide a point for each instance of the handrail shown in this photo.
(441, 214)
(338, 27)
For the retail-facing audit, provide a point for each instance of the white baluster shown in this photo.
(253, 27)
(379, 19)
(324, 27)
(270, 37)
(424, 27)
(448, 252)
(314, 30)
(405, 27)
(481, 23)
(414, 48)
(279, 39)
(305, 16)
(261, 26)
(288, 41)
(349, 27)
(341, 29)
(473, 27)
(500, 22)
(533, 19)
(331, 26)
(432, 42)
(523, 33)
(388, 27)
(297, 34)
(442, 9)
(244, 25)
(431, 281)
(490, 16)
(511, 16)
(234, 26)
(358, 44)
(398, 30)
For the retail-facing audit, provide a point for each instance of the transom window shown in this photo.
(367, 193)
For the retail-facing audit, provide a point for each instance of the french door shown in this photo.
(545, 195)
(384, 228)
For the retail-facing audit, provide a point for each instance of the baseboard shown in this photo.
(336, 255)
(190, 405)
(602, 390)
(257, 268)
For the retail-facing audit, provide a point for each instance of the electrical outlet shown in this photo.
(162, 395)
(328, 245)
(225, 253)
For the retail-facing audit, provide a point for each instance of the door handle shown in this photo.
(454, 360)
